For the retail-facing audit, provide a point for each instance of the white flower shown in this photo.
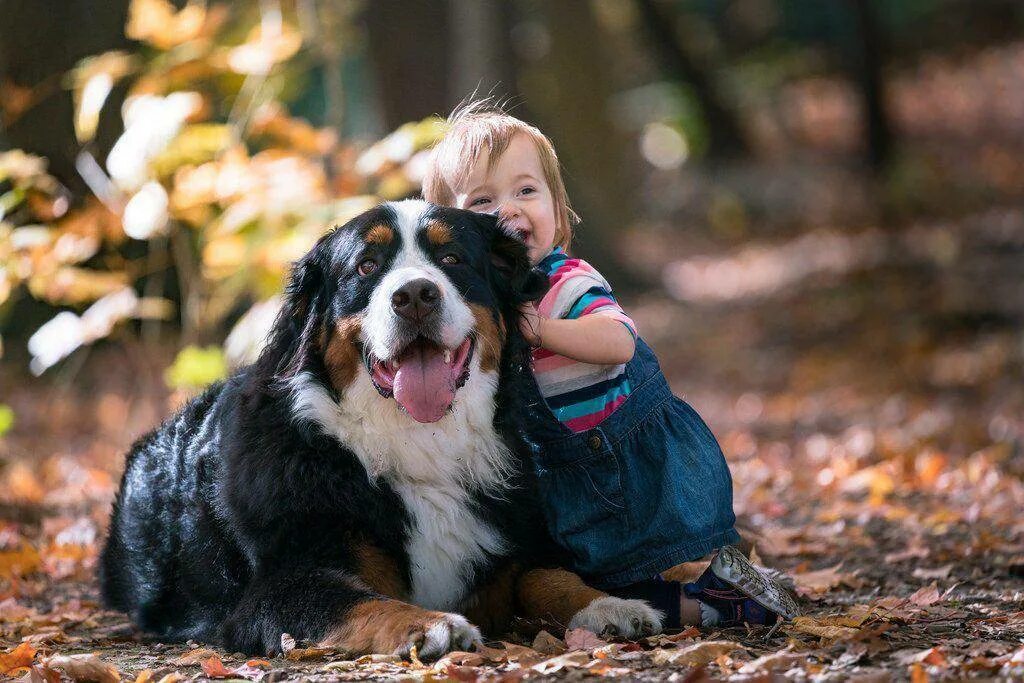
(145, 214)
(150, 123)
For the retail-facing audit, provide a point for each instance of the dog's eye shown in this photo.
(450, 260)
(366, 267)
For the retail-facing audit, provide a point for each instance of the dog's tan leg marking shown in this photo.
(379, 571)
(554, 594)
(687, 571)
(391, 626)
(491, 607)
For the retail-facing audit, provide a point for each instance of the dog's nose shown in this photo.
(416, 300)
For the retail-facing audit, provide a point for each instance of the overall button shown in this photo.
(594, 442)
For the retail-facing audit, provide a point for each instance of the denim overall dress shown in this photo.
(644, 490)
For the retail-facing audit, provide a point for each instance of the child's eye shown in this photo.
(528, 190)
(480, 201)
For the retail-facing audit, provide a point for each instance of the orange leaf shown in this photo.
(214, 668)
(195, 657)
(18, 563)
(17, 658)
(145, 676)
(918, 674)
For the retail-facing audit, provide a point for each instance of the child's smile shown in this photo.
(514, 186)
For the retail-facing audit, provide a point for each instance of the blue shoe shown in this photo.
(740, 593)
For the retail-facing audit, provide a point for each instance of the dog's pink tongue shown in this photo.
(424, 384)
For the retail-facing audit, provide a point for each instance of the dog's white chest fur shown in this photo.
(433, 467)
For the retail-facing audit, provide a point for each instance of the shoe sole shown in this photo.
(732, 567)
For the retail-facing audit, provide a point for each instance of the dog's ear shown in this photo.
(293, 337)
(517, 278)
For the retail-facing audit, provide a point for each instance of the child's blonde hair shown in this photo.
(482, 126)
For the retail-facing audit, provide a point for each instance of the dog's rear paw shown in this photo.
(448, 633)
(619, 617)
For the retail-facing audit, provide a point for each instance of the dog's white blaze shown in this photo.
(412, 263)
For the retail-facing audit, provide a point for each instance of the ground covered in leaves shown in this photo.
(863, 377)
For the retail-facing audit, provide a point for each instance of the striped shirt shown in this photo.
(579, 394)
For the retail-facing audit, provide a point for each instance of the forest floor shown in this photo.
(865, 383)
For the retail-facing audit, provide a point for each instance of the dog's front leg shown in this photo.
(333, 608)
(562, 596)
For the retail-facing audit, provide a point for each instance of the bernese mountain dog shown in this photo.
(365, 485)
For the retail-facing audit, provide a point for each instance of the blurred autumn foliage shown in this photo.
(209, 194)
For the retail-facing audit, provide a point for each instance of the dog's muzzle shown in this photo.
(423, 374)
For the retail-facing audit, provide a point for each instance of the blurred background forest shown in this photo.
(813, 210)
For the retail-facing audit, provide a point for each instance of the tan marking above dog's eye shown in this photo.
(439, 233)
(450, 260)
(367, 266)
(379, 234)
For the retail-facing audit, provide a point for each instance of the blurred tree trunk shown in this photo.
(727, 138)
(569, 93)
(870, 60)
(40, 40)
(483, 62)
(410, 44)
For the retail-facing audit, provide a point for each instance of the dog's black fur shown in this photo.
(237, 522)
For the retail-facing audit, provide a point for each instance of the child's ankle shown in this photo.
(689, 611)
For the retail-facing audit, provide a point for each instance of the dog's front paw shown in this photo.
(383, 626)
(619, 617)
(449, 632)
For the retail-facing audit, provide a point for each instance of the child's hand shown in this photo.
(529, 324)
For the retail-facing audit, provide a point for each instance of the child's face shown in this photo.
(516, 188)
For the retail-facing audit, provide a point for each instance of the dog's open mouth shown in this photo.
(423, 377)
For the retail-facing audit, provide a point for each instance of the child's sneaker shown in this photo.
(738, 593)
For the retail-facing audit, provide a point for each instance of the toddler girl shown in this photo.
(632, 480)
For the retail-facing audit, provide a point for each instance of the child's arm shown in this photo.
(596, 339)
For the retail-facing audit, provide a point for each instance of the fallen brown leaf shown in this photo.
(814, 583)
(195, 657)
(525, 656)
(462, 659)
(303, 653)
(821, 628)
(929, 595)
(461, 673)
(570, 660)
(697, 654)
(582, 639)
(776, 661)
(547, 644)
(88, 667)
